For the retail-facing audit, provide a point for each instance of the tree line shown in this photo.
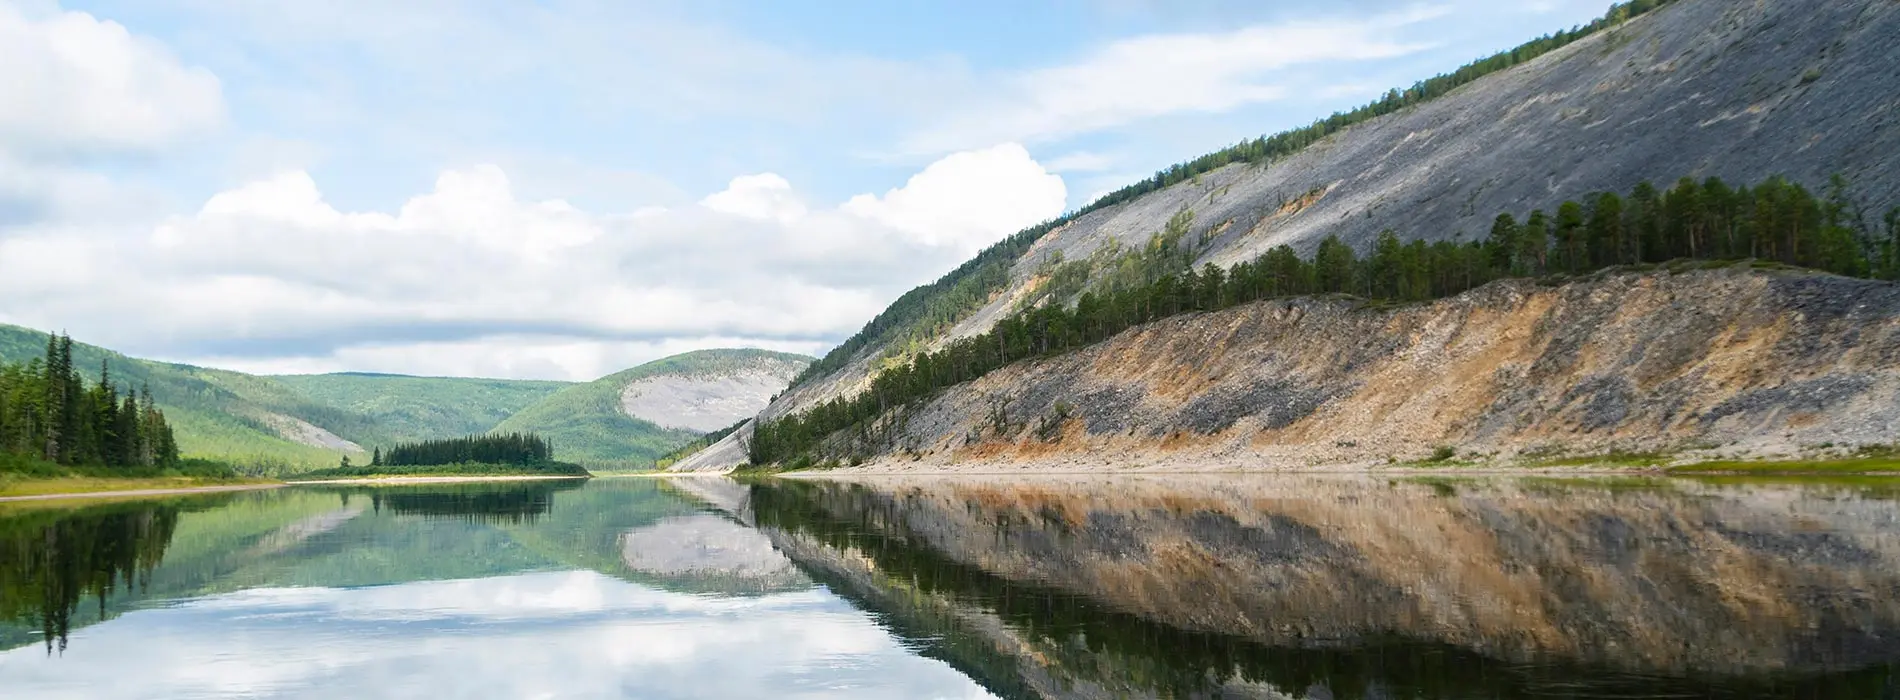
(923, 313)
(48, 412)
(1777, 221)
(522, 449)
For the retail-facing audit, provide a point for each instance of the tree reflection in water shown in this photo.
(501, 503)
(52, 560)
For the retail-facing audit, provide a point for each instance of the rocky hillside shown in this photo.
(1698, 88)
(629, 418)
(1736, 360)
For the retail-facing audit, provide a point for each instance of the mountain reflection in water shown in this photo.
(1350, 587)
(1281, 587)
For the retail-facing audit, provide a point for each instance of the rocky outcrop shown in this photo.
(707, 401)
(1700, 88)
(1730, 360)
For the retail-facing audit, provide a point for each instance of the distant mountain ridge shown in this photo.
(630, 418)
(292, 423)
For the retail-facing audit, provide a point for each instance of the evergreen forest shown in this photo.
(1087, 301)
(50, 414)
(520, 449)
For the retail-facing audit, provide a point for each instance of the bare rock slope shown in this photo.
(629, 418)
(1700, 88)
(1733, 359)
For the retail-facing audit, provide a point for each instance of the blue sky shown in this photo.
(561, 189)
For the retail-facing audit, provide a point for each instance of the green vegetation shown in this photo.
(1864, 464)
(587, 424)
(688, 449)
(512, 448)
(927, 312)
(49, 414)
(474, 455)
(405, 408)
(214, 414)
(1776, 221)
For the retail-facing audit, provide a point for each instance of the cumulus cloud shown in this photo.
(78, 84)
(935, 208)
(1150, 76)
(469, 278)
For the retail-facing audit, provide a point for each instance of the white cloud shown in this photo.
(1151, 76)
(470, 279)
(77, 84)
(764, 196)
(555, 357)
(934, 206)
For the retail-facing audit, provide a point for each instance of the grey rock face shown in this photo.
(1738, 90)
(705, 403)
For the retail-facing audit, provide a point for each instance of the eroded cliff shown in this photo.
(1730, 360)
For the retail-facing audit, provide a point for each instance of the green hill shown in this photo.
(229, 416)
(410, 409)
(677, 398)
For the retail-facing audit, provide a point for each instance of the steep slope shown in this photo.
(254, 422)
(629, 418)
(1698, 88)
(406, 408)
(1744, 361)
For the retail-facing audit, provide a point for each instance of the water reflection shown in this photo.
(1361, 588)
(52, 560)
(510, 502)
(617, 588)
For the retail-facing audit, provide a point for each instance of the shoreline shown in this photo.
(399, 480)
(140, 493)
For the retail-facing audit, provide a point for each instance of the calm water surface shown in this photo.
(963, 588)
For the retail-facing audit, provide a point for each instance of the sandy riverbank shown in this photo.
(399, 480)
(140, 493)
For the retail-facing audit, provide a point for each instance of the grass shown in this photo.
(25, 476)
(1871, 464)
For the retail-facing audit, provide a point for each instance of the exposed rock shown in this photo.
(299, 431)
(705, 403)
(1735, 359)
(1700, 88)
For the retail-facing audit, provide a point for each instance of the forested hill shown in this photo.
(232, 416)
(273, 425)
(295, 423)
(630, 418)
(408, 409)
(1654, 92)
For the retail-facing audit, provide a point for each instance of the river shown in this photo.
(964, 587)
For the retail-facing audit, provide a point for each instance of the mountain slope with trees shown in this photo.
(407, 409)
(1699, 89)
(629, 419)
(217, 414)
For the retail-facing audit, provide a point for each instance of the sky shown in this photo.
(565, 188)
